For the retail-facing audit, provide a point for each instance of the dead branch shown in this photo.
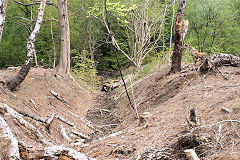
(212, 125)
(13, 152)
(193, 117)
(33, 116)
(59, 97)
(80, 134)
(23, 122)
(73, 79)
(226, 110)
(33, 103)
(36, 2)
(65, 121)
(111, 135)
(64, 134)
(88, 124)
(134, 101)
(2, 87)
(49, 121)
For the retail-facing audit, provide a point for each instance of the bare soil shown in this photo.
(117, 133)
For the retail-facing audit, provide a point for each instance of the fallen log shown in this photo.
(33, 116)
(13, 150)
(204, 62)
(221, 59)
(23, 122)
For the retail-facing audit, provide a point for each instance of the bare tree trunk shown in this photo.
(64, 61)
(13, 82)
(179, 38)
(31, 29)
(53, 42)
(3, 7)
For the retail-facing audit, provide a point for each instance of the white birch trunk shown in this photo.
(13, 82)
(13, 152)
(3, 7)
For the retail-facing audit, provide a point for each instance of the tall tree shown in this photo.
(180, 32)
(16, 80)
(64, 61)
(3, 6)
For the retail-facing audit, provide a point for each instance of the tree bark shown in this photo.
(15, 81)
(3, 7)
(64, 61)
(179, 36)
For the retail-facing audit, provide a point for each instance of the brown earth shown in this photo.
(117, 133)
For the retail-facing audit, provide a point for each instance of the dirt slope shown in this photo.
(169, 100)
(36, 88)
(117, 133)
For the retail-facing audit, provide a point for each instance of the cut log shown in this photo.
(33, 116)
(191, 154)
(6, 133)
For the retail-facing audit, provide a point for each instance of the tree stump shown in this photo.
(144, 120)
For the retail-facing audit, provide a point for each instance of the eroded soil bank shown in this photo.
(110, 123)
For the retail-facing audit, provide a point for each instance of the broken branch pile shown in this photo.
(20, 150)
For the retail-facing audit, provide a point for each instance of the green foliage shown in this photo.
(83, 66)
(214, 26)
(17, 30)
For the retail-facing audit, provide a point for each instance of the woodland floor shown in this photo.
(116, 133)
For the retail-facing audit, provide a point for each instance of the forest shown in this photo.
(143, 30)
(119, 79)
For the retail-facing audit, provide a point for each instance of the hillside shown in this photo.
(109, 124)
